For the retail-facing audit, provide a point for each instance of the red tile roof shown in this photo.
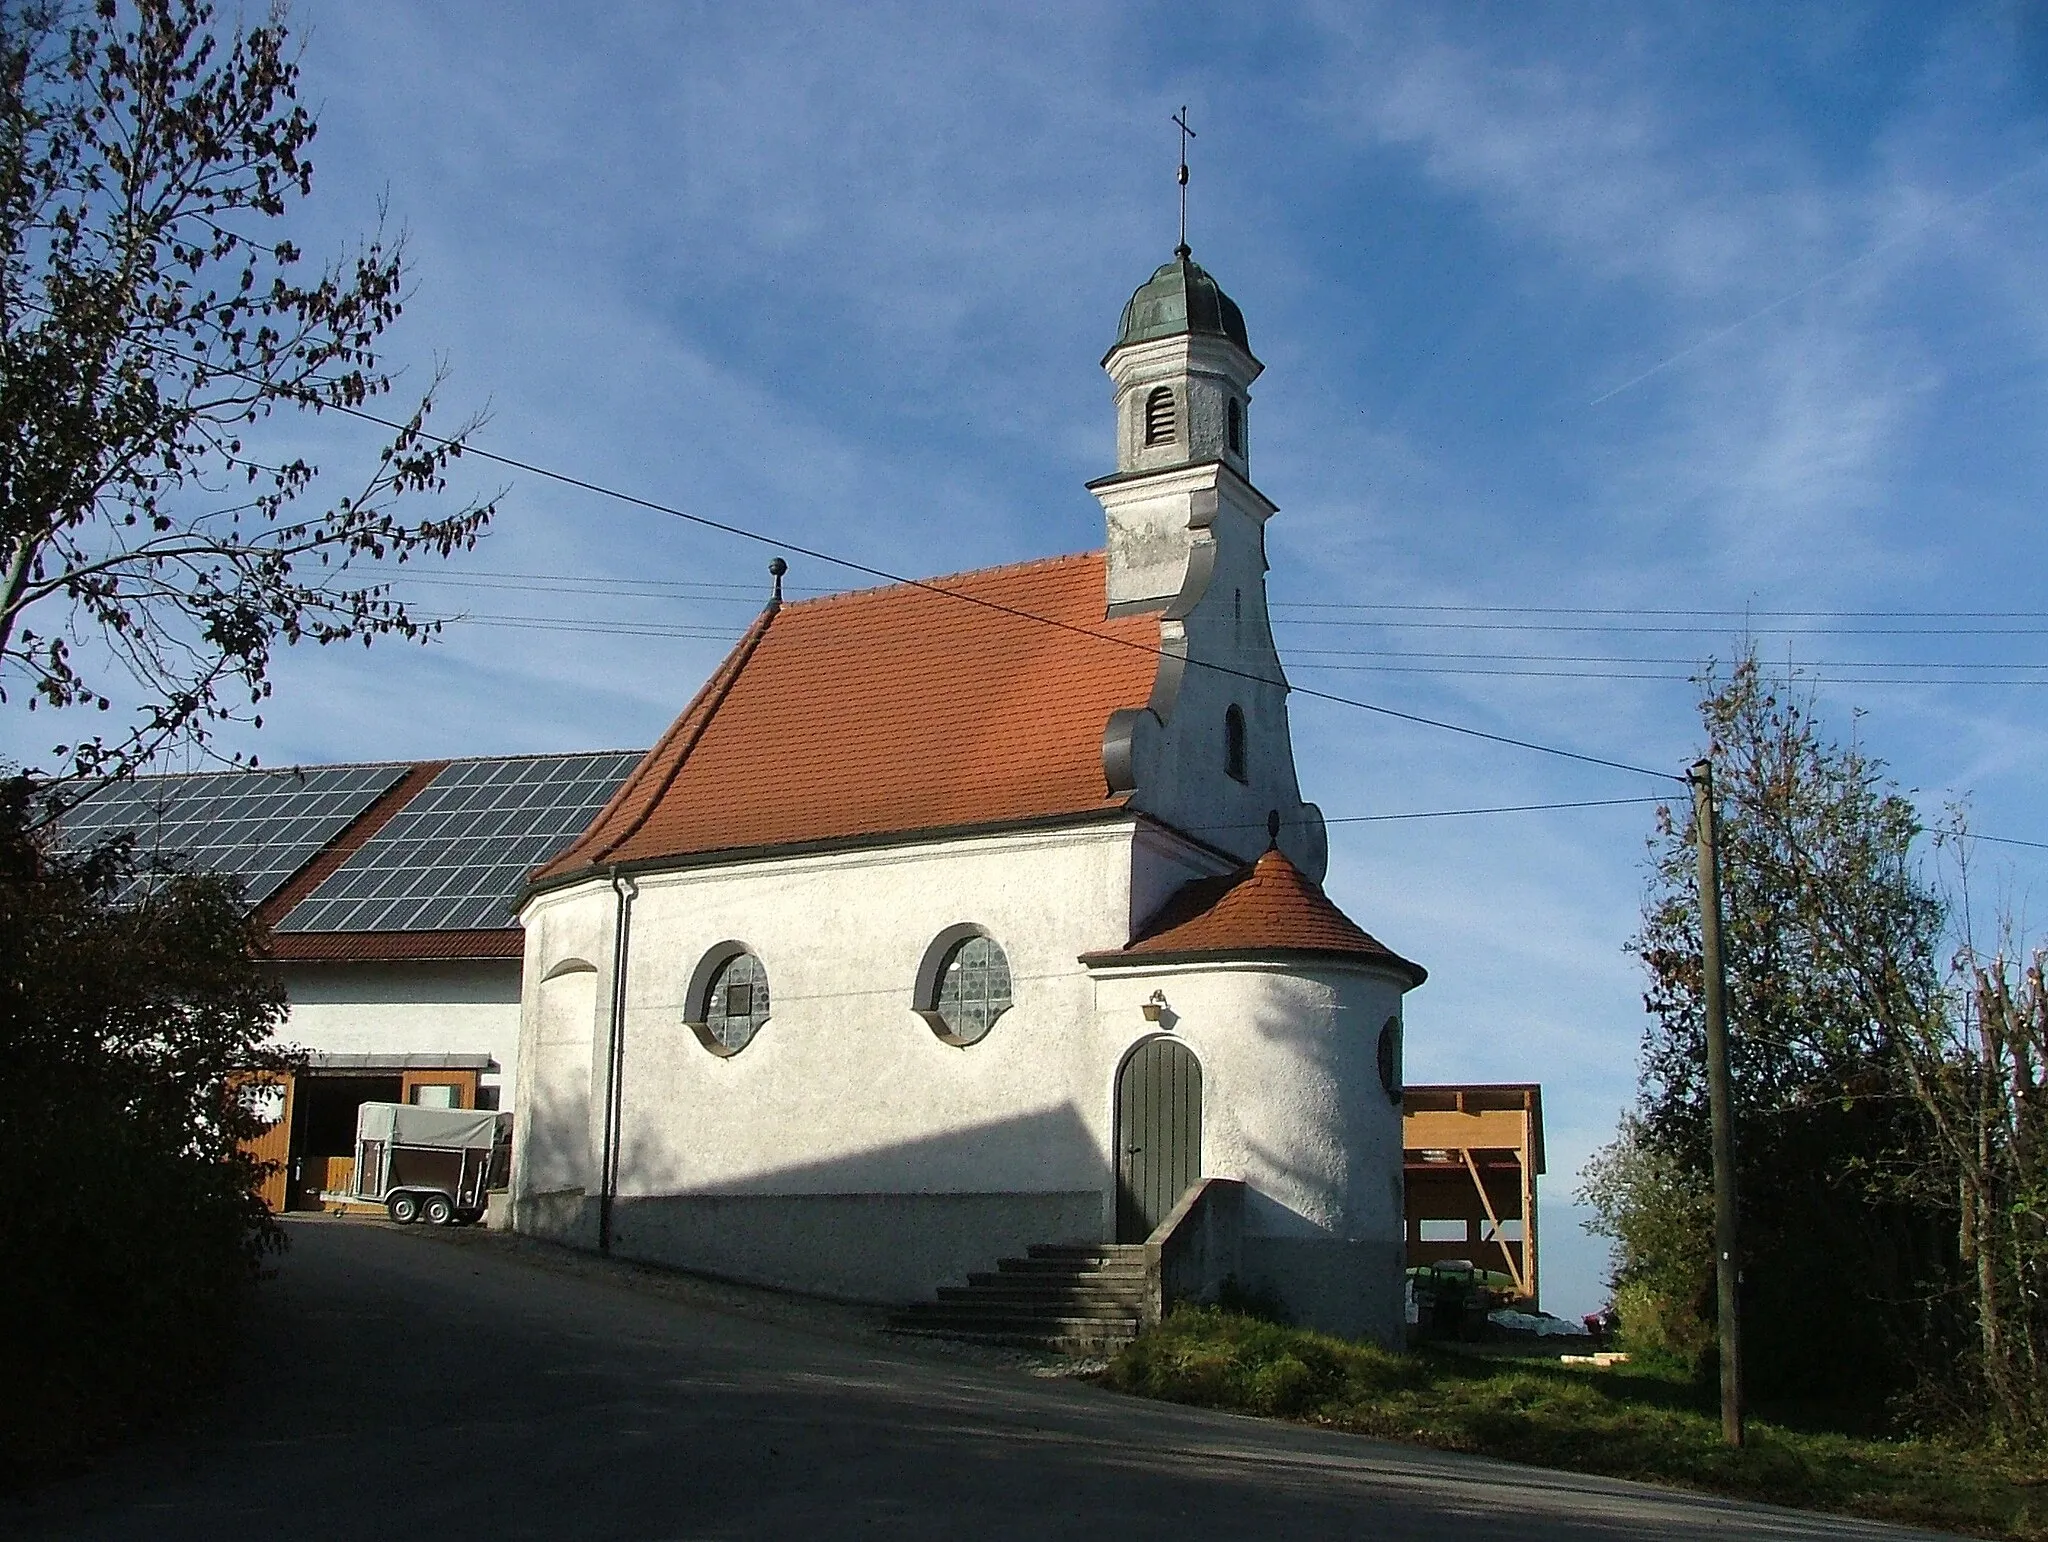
(393, 947)
(1269, 908)
(888, 712)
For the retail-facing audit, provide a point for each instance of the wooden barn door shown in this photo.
(1158, 1134)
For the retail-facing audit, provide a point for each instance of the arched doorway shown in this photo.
(1158, 1134)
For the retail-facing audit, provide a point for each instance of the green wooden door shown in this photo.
(1158, 1134)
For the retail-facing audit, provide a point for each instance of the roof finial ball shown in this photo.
(776, 568)
(1272, 829)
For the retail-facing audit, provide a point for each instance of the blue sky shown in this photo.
(1594, 311)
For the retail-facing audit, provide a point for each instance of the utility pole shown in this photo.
(1727, 1261)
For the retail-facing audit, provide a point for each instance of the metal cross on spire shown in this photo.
(1186, 134)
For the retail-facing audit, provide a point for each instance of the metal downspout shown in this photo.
(608, 1166)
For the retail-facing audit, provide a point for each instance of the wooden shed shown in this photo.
(1470, 1158)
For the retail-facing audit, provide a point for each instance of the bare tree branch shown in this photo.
(153, 319)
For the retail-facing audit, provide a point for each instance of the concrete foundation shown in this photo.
(1350, 1289)
(863, 1247)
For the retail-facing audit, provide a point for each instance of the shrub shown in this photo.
(129, 1230)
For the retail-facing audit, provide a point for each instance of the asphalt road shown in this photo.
(404, 1387)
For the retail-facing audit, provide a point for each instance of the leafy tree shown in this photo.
(154, 316)
(1660, 1211)
(1832, 943)
(131, 1006)
(1977, 1073)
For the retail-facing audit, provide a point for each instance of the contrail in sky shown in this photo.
(1833, 273)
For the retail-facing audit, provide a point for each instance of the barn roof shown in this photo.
(1269, 907)
(394, 861)
(915, 708)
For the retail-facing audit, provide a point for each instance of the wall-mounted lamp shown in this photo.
(1155, 1007)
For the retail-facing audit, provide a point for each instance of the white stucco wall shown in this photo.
(1292, 1098)
(846, 1087)
(467, 1007)
(1191, 541)
(848, 1149)
(846, 1093)
(1293, 1105)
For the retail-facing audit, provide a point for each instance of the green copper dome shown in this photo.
(1179, 299)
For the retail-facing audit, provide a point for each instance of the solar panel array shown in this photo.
(259, 826)
(459, 852)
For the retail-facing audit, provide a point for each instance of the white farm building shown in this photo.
(389, 893)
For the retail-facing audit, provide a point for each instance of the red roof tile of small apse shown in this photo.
(890, 711)
(1270, 907)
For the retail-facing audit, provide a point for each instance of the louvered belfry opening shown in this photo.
(1159, 416)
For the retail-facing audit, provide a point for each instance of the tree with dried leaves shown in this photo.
(155, 316)
(1832, 940)
(1977, 1072)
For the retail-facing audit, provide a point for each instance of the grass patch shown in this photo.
(1622, 1422)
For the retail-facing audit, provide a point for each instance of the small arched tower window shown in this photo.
(1159, 416)
(1234, 423)
(1233, 745)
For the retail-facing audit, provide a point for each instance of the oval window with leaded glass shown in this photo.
(973, 989)
(736, 1004)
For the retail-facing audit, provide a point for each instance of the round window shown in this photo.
(973, 989)
(736, 1003)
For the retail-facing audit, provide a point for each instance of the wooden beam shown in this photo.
(1501, 1242)
(1529, 1276)
(1496, 1129)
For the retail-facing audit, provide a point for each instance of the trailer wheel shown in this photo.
(438, 1211)
(404, 1208)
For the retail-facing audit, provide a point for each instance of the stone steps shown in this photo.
(1118, 1268)
(954, 1300)
(1076, 1298)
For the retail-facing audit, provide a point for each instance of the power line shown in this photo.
(886, 576)
(1311, 659)
(1746, 613)
(2006, 840)
(598, 586)
(748, 596)
(1597, 674)
(708, 589)
(1505, 808)
(1434, 813)
(1610, 658)
(1679, 631)
(745, 534)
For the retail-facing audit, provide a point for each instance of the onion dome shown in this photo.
(1180, 299)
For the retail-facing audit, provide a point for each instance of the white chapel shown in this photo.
(958, 918)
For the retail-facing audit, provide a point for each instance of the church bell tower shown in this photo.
(1186, 529)
(1183, 370)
